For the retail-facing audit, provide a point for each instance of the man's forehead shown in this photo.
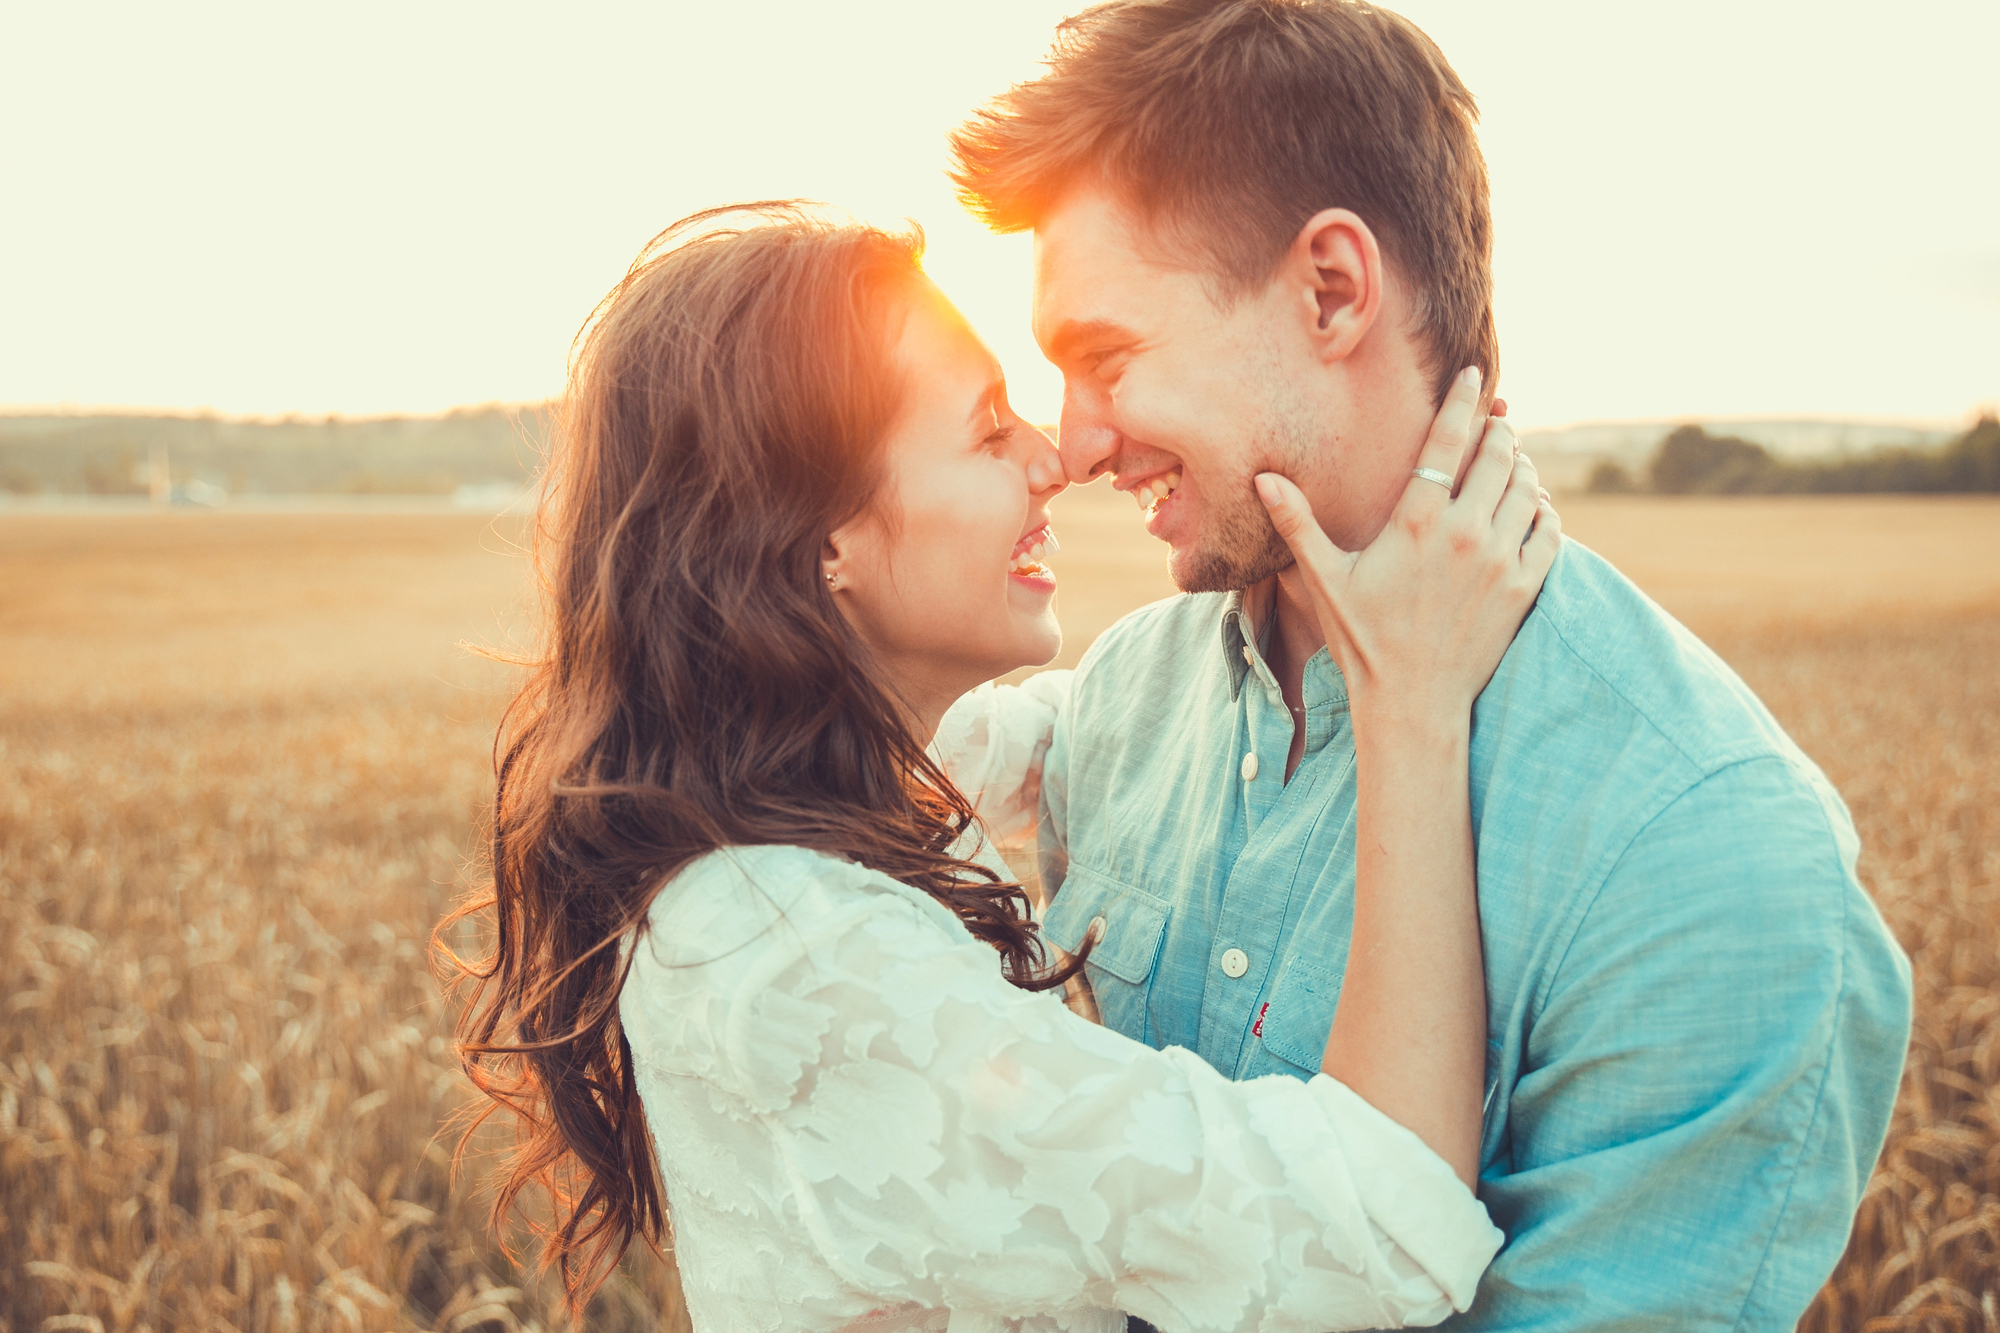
(1089, 228)
(1094, 262)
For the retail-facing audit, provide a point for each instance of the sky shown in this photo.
(1701, 209)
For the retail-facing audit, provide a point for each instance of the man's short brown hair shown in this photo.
(1226, 124)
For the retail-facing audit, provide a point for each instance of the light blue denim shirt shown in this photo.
(1697, 1018)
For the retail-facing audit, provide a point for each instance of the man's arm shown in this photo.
(1708, 1076)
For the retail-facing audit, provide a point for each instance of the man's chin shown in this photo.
(1202, 568)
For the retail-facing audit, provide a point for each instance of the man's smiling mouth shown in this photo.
(1150, 492)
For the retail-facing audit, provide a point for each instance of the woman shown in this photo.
(751, 935)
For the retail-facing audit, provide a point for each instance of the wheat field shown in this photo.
(242, 765)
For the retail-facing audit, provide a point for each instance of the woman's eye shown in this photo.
(999, 438)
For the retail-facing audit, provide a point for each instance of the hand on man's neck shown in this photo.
(1283, 603)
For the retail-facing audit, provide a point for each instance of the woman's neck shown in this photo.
(926, 687)
(925, 696)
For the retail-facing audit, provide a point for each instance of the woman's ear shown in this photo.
(1337, 265)
(832, 562)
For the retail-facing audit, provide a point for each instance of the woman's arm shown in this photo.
(1418, 622)
(935, 1136)
(1409, 1033)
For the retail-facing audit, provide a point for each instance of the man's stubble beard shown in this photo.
(1238, 548)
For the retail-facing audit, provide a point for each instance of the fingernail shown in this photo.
(1267, 489)
(1469, 377)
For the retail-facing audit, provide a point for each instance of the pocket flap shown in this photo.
(1134, 922)
(1301, 1013)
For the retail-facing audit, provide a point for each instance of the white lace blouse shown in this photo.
(861, 1125)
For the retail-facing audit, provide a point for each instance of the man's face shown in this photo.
(1181, 400)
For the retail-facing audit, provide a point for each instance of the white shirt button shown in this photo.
(1250, 766)
(1095, 931)
(1235, 963)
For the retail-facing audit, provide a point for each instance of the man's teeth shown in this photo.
(1156, 490)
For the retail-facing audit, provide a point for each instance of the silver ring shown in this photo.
(1432, 474)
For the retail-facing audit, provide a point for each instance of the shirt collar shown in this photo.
(1244, 615)
(1238, 632)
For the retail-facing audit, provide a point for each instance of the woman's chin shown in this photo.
(1034, 643)
(1040, 646)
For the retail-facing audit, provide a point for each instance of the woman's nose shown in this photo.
(1045, 464)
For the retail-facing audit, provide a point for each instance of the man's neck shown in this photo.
(1282, 602)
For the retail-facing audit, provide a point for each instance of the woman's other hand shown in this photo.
(1422, 616)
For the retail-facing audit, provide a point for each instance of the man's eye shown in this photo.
(1098, 362)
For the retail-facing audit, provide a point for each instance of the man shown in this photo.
(1262, 242)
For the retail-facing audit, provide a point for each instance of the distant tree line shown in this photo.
(114, 454)
(1690, 461)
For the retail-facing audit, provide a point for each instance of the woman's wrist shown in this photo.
(1419, 719)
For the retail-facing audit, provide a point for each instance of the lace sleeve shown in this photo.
(944, 1140)
(991, 743)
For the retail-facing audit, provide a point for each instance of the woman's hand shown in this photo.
(1421, 617)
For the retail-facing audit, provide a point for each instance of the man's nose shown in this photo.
(1088, 443)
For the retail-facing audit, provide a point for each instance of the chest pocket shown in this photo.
(1301, 1014)
(1121, 966)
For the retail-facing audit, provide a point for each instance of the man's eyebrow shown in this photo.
(1076, 332)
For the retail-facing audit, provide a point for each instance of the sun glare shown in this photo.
(372, 225)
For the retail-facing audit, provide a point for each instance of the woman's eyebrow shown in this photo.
(983, 405)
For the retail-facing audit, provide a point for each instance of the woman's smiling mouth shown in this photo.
(1028, 554)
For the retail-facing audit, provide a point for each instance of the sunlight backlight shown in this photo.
(1701, 209)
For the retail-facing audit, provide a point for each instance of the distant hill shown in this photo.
(1567, 455)
(1691, 461)
(116, 454)
(496, 448)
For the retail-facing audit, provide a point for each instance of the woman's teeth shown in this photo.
(1030, 560)
(1158, 489)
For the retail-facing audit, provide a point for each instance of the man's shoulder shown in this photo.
(1599, 657)
(1175, 636)
(1158, 665)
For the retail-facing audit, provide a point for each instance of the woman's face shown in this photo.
(945, 578)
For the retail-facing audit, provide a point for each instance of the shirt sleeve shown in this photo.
(951, 1141)
(1709, 1078)
(991, 744)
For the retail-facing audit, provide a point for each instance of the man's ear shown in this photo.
(1337, 266)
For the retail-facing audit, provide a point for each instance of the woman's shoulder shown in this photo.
(725, 902)
(751, 956)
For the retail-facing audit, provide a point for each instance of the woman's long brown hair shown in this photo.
(695, 686)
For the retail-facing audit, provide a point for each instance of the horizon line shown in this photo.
(1964, 420)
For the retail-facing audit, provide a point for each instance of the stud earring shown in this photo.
(830, 581)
